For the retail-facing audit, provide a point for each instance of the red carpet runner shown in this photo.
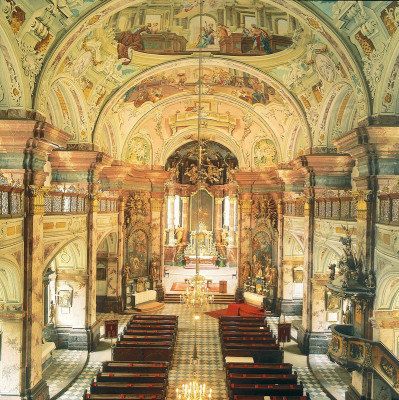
(237, 309)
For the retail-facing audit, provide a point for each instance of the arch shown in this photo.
(68, 108)
(387, 291)
(10, 282)
(323, 257)
(109, 243)
(334, 112)
(77, 249)
(291, 244)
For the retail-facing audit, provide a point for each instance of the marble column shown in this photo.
(186, 217)
(280, 249)
(121, 252)
(365, 245)
(35, 386)
(92, 259)
(171, 220)
(113, 280)
(305, 330)
(218, 219)
(245, 209)
(157, 201)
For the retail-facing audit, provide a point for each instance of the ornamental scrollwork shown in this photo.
(368, 357)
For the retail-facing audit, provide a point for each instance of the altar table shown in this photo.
(143, 297)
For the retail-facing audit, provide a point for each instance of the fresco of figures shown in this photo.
(235, 29)
(214, 80)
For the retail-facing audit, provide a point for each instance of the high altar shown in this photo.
(202, 246)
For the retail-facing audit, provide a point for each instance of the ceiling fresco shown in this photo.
(294, 74)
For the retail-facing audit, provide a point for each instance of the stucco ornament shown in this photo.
(1, 93)
(31, 63)
(373, 67)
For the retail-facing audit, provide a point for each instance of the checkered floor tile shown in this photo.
(210, 368)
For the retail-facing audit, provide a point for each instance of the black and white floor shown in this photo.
(210, 368)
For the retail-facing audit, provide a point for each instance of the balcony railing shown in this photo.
(341, 208)
(389, 209)
(108, 205)
(58, 202)
(355, 353)
(294, 208)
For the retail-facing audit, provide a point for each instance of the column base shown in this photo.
(39, 392)
(289, 307)
(353, 394)
(313, 342)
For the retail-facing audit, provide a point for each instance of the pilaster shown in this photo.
(245, 210)
(157, 202)
(33, 288)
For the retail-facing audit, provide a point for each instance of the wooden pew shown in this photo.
(124, 388)
(249, 339)
(131, 343)
(244, 368)
(142, 353)
(153, 321)
(229, 329)
(258, 355)
(131, 377)
(265, 389)
(154, 326)
(240, 318)
(251, 397)
(246, 325)
(156, 317)
(109, 396)
(149, 332)
(123, 366)
(262, 378)
(146, 338)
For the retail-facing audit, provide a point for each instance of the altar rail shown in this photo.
(356, 353)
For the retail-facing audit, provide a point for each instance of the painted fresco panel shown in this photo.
(137, 253)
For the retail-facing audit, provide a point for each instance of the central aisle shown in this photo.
(210, 370)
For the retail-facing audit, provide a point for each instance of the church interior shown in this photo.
(199, 199)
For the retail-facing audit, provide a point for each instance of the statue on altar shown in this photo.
(201, 245)
(179, 235)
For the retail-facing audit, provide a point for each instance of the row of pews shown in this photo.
(268, 377)
(140, 362)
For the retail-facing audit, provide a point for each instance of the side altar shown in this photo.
(201, 246)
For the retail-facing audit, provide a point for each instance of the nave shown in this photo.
(210, 370)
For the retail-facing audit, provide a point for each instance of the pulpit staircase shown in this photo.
(220, 298)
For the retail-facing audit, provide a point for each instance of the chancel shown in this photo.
(210, 175)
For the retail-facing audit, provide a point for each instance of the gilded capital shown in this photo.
(362, 199)
(122, 204)
(218, 200)
(246, 205)
(94, 199)
(156, 204)
(36, 196)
